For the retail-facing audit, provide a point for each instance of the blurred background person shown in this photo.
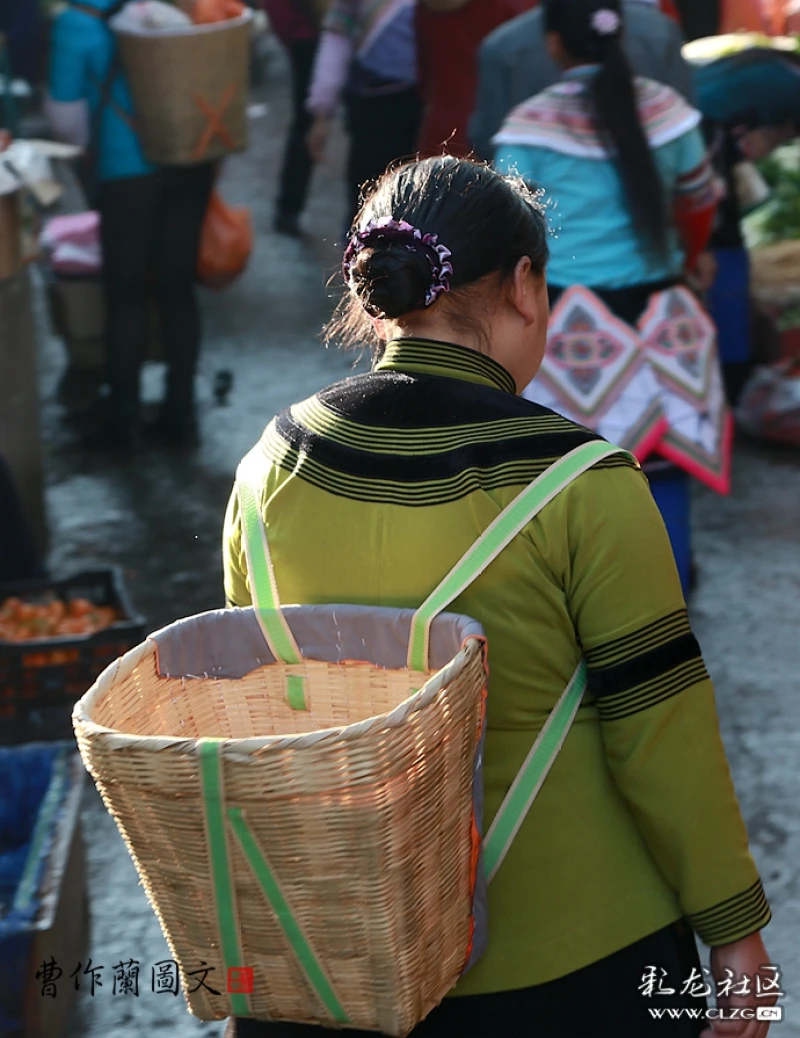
(151, 219)
(751, 104)
(668, 7)
(632, 224)
(19, 557)
(21, 23)
(368, 58)
(449, 34)
(699, 17)
(742, 14)
(514, 63)
(768, 16)
(296, 23)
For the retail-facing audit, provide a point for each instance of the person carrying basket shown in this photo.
(373, 488)
(151, 220)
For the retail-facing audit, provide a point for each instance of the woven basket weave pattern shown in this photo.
(383, 890)
(168, 74)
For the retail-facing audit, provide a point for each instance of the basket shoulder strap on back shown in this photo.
(530, 778)
(511, 521)
(263, 586)
(105, 86)
(496, 537)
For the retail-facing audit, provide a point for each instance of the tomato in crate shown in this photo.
(56, 637)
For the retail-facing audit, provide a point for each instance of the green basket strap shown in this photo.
(224, 894)
(530, 777)
(496, 537)
(292, 930)
(259, 564)
(263, 585)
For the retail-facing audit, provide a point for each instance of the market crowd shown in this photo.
(411, 78)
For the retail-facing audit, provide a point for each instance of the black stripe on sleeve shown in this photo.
(645, 668)
(615, 708)
(648, 637)
(733, 919)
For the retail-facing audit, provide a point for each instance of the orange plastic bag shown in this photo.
(226, 243)
(767, 16)
(205, 12)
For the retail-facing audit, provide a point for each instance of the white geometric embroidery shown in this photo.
(595, 372)
(658, 387)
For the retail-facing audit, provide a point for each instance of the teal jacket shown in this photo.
(83, 48)
(514, 64)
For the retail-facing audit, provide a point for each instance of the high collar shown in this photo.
(580, 72)
(430, 357)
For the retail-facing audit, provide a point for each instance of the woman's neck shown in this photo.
(428, 327)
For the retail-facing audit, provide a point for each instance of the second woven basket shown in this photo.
(189, 89)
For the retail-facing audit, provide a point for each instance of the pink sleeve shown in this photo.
(330, 73)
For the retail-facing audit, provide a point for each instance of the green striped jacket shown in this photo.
(371, 490)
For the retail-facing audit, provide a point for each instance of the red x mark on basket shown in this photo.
(215, 127)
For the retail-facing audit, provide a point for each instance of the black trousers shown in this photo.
(19, 558)
(382, 128)
(297, 163)
(601, 1001)
(150, 230)
(628, 304)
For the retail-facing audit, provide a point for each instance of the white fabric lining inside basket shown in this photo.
(125, 29)
(228, 643)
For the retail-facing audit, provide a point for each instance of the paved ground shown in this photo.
(160, 519)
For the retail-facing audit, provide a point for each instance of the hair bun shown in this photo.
(391, 280)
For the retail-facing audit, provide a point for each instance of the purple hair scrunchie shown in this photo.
(387, 229)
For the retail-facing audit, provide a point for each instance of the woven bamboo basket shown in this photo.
(308, 828)
(189, 89)
(362, 805)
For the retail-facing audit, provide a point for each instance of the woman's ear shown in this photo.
(525, 291)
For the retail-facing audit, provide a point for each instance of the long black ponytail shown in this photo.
(590, 31)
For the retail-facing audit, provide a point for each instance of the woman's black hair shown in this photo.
(614, 107)
(487, 220)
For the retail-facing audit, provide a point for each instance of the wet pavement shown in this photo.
(159, 517)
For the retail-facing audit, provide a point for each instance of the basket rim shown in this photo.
(180, 31)
(242, 748)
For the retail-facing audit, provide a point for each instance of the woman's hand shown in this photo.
(317, 139)
(735, 962)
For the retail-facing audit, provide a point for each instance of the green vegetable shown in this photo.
(779, 218)
(712, 48)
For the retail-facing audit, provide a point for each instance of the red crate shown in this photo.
(41, 679)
